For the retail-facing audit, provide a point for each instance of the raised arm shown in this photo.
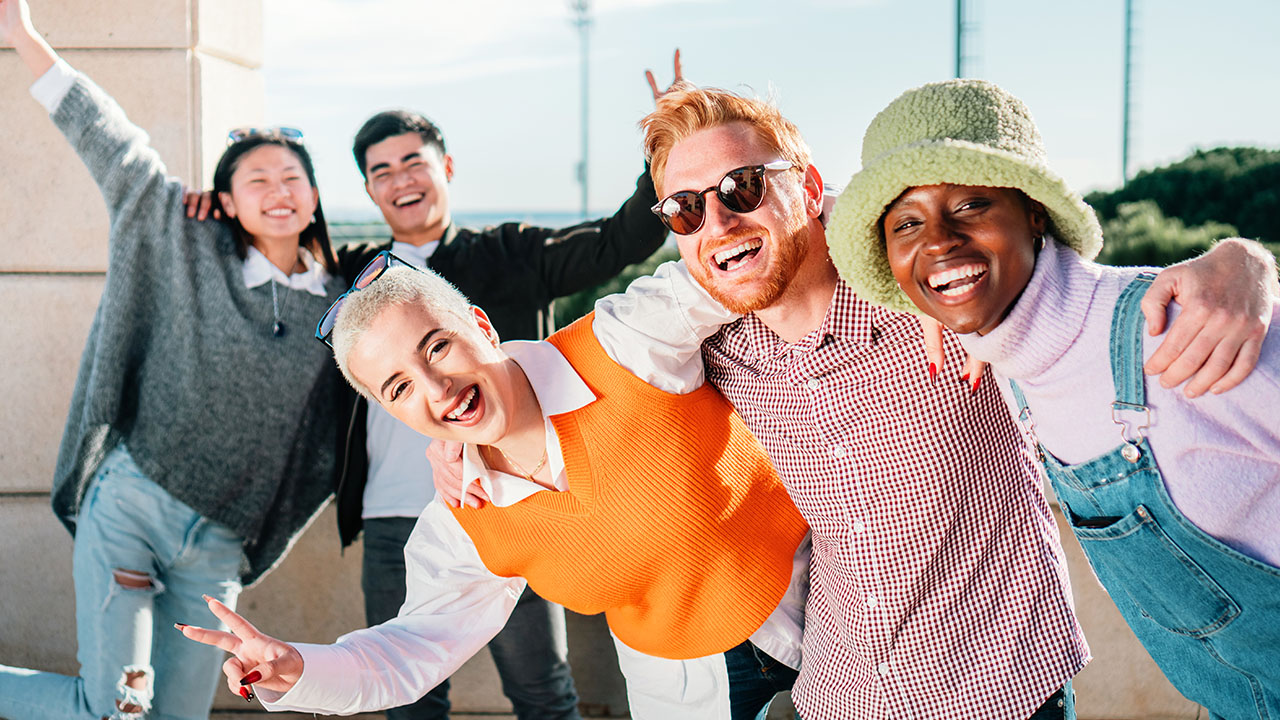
(1227, 296)
(117, 153)
(17, 30)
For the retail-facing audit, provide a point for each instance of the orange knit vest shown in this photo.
(675, 524)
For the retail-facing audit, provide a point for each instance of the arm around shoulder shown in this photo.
(1227, 296)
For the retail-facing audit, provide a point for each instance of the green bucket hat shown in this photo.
(961, 132)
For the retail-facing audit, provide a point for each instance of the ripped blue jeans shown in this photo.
(130, 655)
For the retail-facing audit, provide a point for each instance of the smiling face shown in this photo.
(408, 180)
(746, 261)
(270, 194)
(963, 254)
(440, 374)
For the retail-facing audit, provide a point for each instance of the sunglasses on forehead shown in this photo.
(740, 190)
(380, 263)
(243, 133)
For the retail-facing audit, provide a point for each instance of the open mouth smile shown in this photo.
(468, 407)
(957, 281)
(282, 212)
(737, 256)
(407, 200)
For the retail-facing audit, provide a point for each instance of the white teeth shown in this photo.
(280, 212)
(937, 280)
(724, 255)
(405, 200)
(464, 405)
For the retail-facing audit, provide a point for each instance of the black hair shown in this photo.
(389, 124)
(315, 237)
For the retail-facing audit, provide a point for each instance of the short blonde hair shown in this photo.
(687, 109)
(397, 286)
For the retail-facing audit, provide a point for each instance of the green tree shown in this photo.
(1140, 234)
(1239, 186)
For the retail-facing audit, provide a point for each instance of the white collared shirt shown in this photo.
(454, 605)
(258, 270)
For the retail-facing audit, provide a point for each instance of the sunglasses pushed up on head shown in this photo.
(244, 133)
(380, 263)
(740, 190)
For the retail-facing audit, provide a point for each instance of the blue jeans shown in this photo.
(127, 522)
(530, 652)
(754, 679)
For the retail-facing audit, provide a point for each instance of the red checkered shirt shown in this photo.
(938, 586)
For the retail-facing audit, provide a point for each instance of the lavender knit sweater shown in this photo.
(1219, 454)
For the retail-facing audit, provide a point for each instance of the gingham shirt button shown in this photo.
(872, 601)
(859, 526)
(838, 451)
(883, 668)
(813, 383)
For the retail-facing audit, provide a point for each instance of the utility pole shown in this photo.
(1128, 90)
(582, 20)
(959, 38)
(966, 28)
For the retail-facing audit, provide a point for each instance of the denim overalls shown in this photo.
(1208, 614)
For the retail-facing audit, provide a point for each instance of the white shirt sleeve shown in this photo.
(655, 329)
(51, 87)
(453, 607)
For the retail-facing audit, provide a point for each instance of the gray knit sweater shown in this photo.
(181, 364)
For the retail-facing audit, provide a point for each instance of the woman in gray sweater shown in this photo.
(200, 440)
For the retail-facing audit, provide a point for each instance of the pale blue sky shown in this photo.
(501, 77)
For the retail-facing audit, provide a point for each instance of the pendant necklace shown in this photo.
(277, 327)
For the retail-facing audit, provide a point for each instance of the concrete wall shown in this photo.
(188, 71)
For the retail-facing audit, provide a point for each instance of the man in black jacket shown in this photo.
(513, 271)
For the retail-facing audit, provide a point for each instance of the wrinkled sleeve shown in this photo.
(453, 607)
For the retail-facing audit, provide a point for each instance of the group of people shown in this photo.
(753, 462)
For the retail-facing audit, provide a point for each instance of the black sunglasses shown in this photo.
(242, 133)
(740, 190)
(380, 263)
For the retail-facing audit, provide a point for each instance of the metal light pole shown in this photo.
(1128, 90)
(582, 19)
(959, 38)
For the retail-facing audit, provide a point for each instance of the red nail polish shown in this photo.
(244, 693)
(976, 383)
(251, 678)
(965, 377)
(933, 371)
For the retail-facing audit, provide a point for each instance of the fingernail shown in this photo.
(251, 678)
(933, 372)
(244, 693)
(179, 626)
(977, 381)
(965, 377)
(206, 598)
(1215, 390)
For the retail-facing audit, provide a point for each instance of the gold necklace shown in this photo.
(527, 475)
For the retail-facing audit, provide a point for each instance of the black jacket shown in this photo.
(513, 271)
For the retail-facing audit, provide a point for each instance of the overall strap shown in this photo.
(1024, 418)
(1126, 361)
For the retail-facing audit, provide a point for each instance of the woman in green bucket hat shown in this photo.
(1176, 501)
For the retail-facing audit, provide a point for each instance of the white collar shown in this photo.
(559, 389)
(416, 254)
(258, 270)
